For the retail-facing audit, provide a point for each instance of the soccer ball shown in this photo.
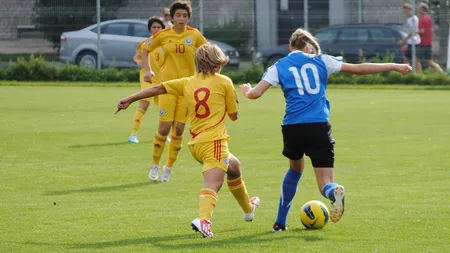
(314, 214)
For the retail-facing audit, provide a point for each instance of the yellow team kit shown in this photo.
(209, 99)
(156, 58)
(179, 61)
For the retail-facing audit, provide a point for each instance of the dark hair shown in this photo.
(153, 20)
(180, 5)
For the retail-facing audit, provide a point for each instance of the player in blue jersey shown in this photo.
(303, 78)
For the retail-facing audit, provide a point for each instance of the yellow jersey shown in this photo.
(156, 58)
(179, 51)
(209, 99)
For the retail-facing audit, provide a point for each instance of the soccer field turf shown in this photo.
(71, 183)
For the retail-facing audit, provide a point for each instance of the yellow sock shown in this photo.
(159, 142)
(137, 119)
(207, 199)
(174, 148)
(239, 191)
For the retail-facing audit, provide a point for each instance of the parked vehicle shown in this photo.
(119, 39)
(350, 41)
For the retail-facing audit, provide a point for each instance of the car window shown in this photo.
(326, 36)
(116, 29)
(382, 35)
(353, 36)
(141, 30)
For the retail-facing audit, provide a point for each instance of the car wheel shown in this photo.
(272, 60)
(87, 59)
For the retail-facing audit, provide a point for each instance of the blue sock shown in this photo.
(288, 190)
(328, 191)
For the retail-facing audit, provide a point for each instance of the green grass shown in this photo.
(70, 183)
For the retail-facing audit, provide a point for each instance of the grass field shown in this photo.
(69, 182)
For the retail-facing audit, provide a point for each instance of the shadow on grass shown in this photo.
(194, 240)
(100, 189)
(106, 144)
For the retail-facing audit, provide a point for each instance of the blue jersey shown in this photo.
(303, 79)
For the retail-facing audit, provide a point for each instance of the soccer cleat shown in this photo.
(337, 208)
(255, 201)
(202, 226)
(278, 228)
(154, 173)
(166, 174)
(133, 139)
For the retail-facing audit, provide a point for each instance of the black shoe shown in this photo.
(278, 228)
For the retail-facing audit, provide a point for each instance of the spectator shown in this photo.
(166, 18)
(413, 26)
(426, 37)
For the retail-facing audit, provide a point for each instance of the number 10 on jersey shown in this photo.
(304, 80)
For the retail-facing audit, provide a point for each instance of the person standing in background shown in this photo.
(167, 20)
(426, 37)
(412, 24)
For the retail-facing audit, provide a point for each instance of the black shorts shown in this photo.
(408, 52)
(312, 139)
(424, 52)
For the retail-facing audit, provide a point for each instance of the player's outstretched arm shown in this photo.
(147, 93)
(257, 91)
(372, 68)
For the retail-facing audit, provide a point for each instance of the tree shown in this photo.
(54, 17)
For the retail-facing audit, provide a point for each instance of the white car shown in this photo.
(119, 39)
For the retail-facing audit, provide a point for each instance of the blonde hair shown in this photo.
(302, 38)
(209, 58)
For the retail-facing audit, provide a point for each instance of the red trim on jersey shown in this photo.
(163, 30)
(195, 134)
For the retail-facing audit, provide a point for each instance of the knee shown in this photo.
(179, 129)
(164, 128)
(234, 167)
(144, 105)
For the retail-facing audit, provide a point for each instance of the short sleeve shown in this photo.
(271, 76)
(200, 40)
(333, 64)
(231, 98)
(176, 86)
(152, 43)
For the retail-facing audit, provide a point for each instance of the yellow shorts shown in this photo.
(213, 154)
(172, 108)
(145, 85)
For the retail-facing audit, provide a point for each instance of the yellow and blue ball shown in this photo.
(314, 214)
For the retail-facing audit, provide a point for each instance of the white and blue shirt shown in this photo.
(303, 79)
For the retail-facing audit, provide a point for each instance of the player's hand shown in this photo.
(123, 104)
(403, 68)
(139, 63)
(246, 87)
(148, 76)
(401, 42)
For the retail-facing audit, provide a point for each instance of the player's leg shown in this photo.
(321, 152)
(176, 140)
(140, 111)
(294, 150)
(236, 184)
(137, 119)
(166, 113)
(213, 176)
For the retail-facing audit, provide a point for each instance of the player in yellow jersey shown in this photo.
(157, 57)
(209, 97)
(179, 43)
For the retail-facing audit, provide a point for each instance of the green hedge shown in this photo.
(37, 69)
